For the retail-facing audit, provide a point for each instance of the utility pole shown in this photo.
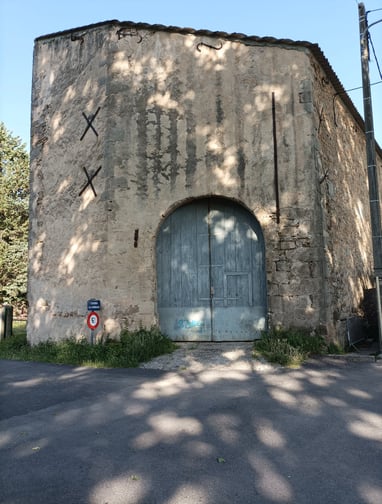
(375, 211)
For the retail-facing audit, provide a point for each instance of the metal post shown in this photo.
(379, 315)
(6, 321)
(375, 211)
(2, 323)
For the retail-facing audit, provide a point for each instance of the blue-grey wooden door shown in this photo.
(211, 273)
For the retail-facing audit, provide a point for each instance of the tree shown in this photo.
(14, 213)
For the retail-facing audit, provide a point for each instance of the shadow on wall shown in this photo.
(344, 197)
(370, 309)
(166, 123)
(173, 131)
(211, 272)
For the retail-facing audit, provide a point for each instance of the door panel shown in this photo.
(183, 275)
(235, 249)
(211, 273)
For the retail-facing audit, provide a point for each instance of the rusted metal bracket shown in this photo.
(90, 120)
(324, 177)
(136, 237)
(90, 181)
(321, 118)
(75, 38)
(275, 159)
(217, 48)
(126, 32)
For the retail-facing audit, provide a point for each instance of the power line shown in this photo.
(375, 56)
(339, 93)
(369, 39)
(357, 88)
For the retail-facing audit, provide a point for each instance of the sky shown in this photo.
(332, 24)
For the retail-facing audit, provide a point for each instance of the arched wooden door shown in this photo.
(211, 273)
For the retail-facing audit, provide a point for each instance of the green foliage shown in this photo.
(145, 344)
(133, 348)
(289, 347)
(14, 213)
(334, 349)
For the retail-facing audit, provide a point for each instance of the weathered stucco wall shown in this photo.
(177, 116)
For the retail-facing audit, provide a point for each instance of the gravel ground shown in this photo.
(199, 356)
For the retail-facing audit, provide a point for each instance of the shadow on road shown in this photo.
(141, 436)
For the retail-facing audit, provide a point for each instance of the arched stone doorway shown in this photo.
(211, 274)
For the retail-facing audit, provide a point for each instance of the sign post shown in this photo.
(94, 305)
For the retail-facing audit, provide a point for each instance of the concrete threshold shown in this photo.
(354, 357)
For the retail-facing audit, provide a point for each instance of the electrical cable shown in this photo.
(357, 88)
(344, 92)
(375, 56)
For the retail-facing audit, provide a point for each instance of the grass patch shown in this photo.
(132, 349)
(19, 327)
(335, 349)
(289, 347)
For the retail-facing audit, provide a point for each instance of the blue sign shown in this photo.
(94, 305)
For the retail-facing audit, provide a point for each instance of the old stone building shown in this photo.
(213, 184)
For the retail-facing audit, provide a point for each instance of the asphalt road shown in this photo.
(76, 435)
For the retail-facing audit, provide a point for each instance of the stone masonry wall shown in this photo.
(344, 203)
(176, 116)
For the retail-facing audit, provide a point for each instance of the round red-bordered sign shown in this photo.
(93, 320)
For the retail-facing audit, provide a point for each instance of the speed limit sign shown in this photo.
(93, 320)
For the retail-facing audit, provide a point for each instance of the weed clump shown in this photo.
(289, 347)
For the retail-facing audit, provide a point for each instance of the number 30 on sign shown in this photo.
(93, 320)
